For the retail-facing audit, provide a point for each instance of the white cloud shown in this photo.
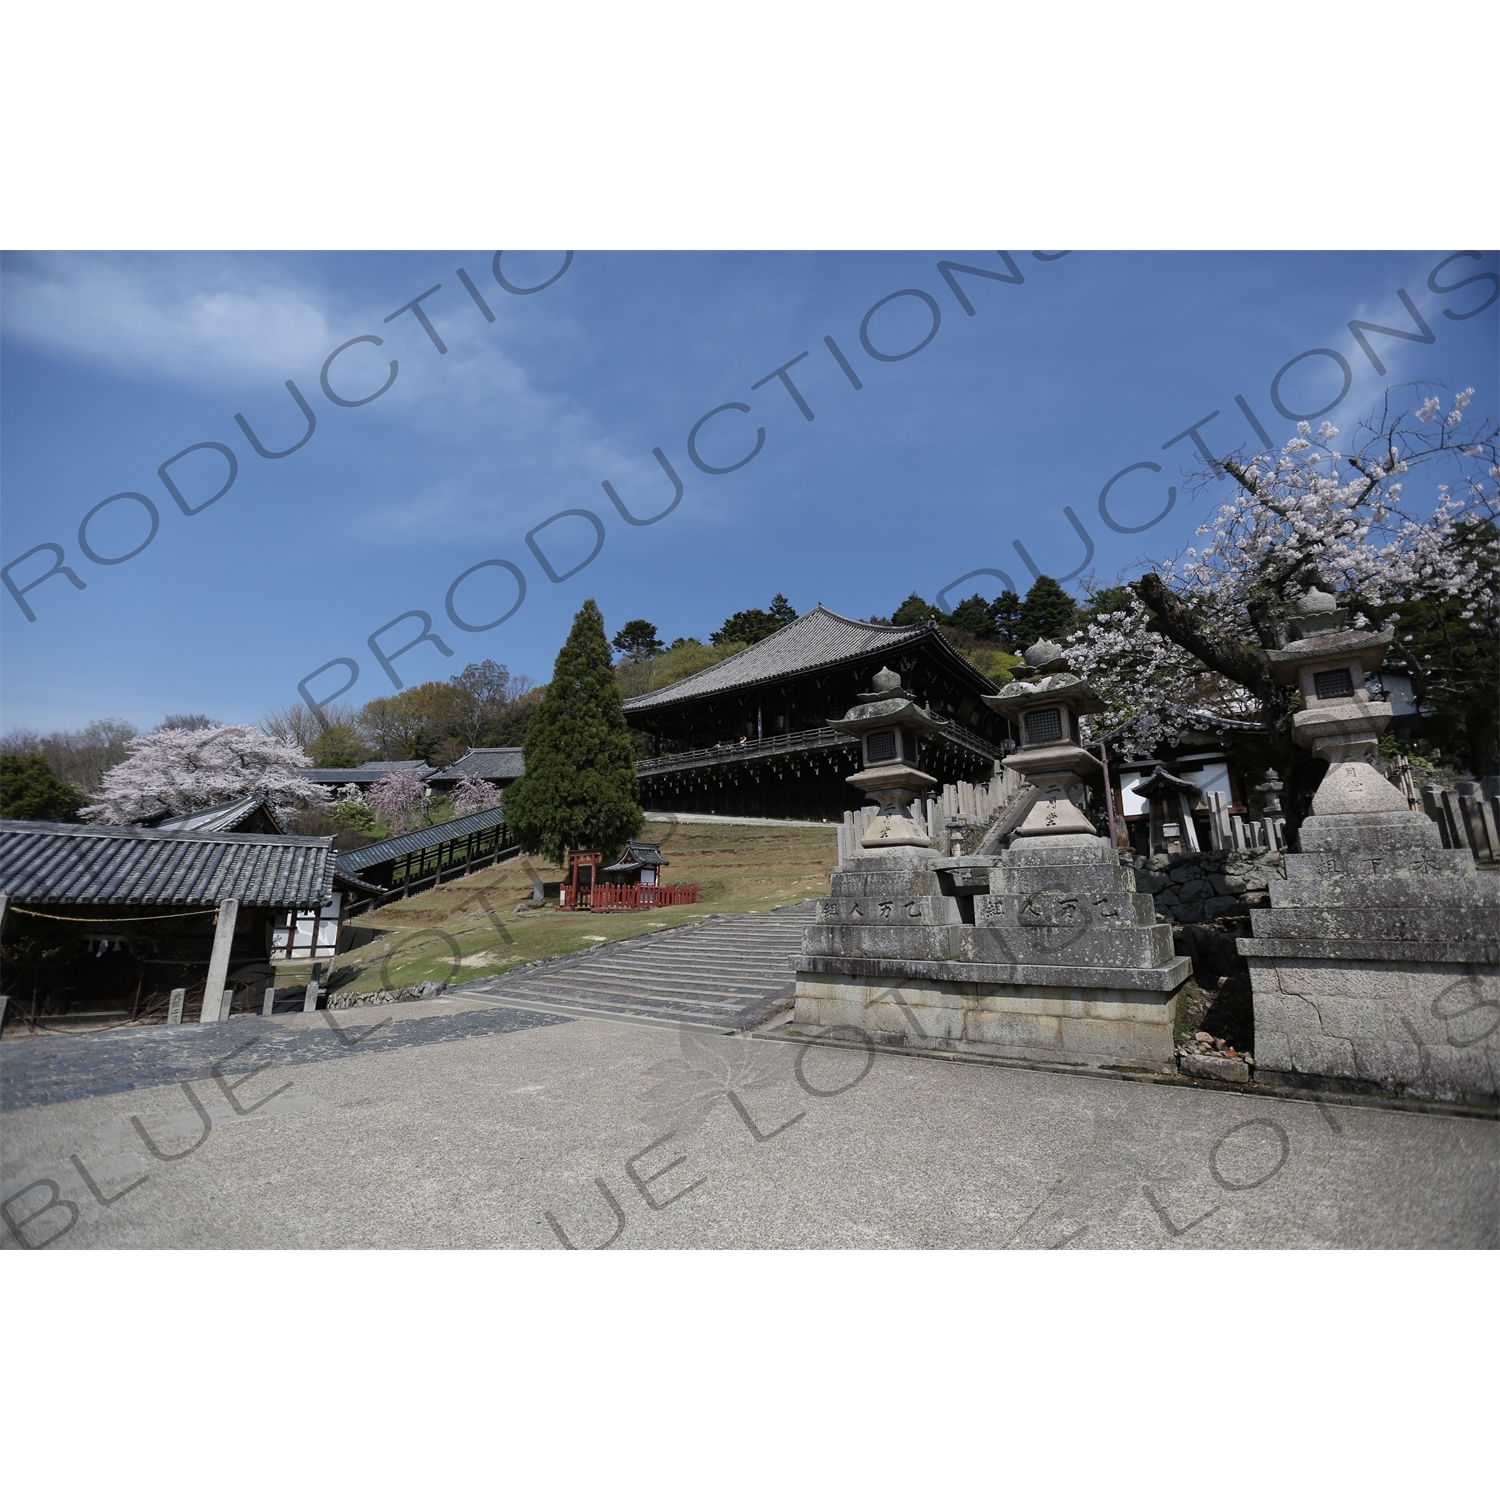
(184, 318)
(512, 450)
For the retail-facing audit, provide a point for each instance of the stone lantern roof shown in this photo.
(1320, 635)
(1046, 680)
(888, 706)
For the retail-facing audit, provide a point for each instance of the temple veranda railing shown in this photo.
(783, 744)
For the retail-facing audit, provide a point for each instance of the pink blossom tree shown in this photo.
(1196, 633)
(474, 795)
(182, 770)
(398, 800)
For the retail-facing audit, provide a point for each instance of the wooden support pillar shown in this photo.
(218, 963)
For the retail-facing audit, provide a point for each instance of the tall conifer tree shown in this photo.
(1048, 613)
(579, 788)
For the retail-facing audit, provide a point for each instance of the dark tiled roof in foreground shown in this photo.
(367, 774)
(422, 838)
(90, 864)
(817, 639)
(496, 763)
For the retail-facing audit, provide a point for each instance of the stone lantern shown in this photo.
(1044, 702)
(1379, 945)
(889, 726)
(1339, 721)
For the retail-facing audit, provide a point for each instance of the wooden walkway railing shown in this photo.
(427, 882)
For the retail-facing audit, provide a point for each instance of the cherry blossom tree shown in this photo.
(474, 795)
(1196, 633)
(398, 799)
(181, 770)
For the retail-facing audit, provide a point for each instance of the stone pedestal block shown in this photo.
(1082, 1025)
(1376, 966)
(1412, 1025)
(1063, 961)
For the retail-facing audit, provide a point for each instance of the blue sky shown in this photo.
(113, 363)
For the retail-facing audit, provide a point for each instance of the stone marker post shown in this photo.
(268, 1004)
(310, 999)
(174, 1007)
(225, 1004)
(1375, 966)
(218, 963)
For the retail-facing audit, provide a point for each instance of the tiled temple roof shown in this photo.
(490, 763)
(816, 640)
(222, 817)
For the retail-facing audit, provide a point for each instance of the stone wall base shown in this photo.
(1032, 1023)
(1421, 1029)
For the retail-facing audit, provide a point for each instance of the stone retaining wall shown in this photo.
(1208, 897)
(1213, 883)
(427, 991)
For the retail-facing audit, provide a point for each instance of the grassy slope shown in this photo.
(735, 870)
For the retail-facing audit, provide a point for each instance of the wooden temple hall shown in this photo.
(749, 736)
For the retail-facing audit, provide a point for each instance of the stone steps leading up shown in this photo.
(729, 972)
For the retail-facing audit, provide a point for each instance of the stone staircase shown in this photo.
(730, 972)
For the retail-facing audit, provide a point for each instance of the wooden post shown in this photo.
(269, 1002)
(174, 1007)
(1189, 829)
(1462, 834)
(218, 963)
(1109, 801)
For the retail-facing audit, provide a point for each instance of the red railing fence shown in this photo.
(630, 897)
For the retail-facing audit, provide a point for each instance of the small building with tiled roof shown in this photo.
(88, 906)
(499, 765)
(250, 814)
(640, 863)
(1199, 782)
(749, 736)
(367, 774)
